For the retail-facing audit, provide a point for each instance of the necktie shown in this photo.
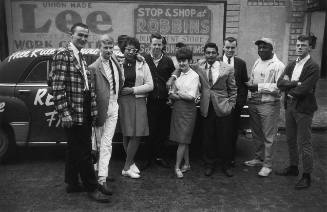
(80, 58)
(229, 60)
(210, 75)
(113, 76)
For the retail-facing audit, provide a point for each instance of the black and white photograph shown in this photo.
(174, 105)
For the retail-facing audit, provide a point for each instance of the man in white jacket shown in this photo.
(108, 81)
(264, 104)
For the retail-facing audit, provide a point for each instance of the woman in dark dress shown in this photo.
(183, 96)
(132, 104)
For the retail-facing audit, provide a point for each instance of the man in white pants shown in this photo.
(108, 80)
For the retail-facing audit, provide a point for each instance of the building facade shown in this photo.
(38, 24)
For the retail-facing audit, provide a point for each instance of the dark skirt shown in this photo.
(182, 121)
(133, 116)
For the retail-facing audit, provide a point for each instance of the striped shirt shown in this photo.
(106, 66)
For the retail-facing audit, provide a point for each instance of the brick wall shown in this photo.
(232, 18)
(296, 18)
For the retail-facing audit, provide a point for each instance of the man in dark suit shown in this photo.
(161, 67)
(298, 82)
(241, 77)
(75, 101)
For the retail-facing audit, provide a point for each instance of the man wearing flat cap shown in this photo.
(264, 104)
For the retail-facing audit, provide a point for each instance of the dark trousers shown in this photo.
(159, 122)
(235, 122)
(298, 135)
(216, 142)
(78, 152)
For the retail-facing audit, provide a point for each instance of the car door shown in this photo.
(33, 90)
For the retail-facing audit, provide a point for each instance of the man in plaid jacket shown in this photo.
(75, 102)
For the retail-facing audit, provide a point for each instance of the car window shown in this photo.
(38, 72)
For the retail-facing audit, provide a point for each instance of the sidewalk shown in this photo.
(320, 117)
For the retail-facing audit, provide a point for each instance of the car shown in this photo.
(27, 113)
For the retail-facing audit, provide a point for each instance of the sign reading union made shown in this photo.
(178, 23)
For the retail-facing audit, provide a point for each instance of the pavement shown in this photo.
(35, 182)
(319, 121)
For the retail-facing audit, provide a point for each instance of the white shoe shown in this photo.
(254, 162)
(135, 169)
(179, 173)
(130, 173)
(264, 172)
(185, 168)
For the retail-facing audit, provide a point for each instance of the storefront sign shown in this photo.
(46, 24)
(178, 23)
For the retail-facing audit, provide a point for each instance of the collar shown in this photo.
(225, 58)
(73, 47)
(273, 59)
(188, 71)
(156, 59)
(103, 59)
(214, 65)
(305, 59)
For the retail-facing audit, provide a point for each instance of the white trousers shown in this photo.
(107, 133)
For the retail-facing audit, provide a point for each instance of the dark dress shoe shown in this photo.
(104, 188)
(98, 196)
(228, 171)
(163, 163)
(288, 171)
(208, 171)
(110, 179)
(74, 188)
(304, 182)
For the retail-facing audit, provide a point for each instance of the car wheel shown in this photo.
(5, 146)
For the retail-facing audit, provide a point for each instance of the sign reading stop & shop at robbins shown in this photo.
(178, 23)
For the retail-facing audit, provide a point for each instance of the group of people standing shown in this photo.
(156, 99)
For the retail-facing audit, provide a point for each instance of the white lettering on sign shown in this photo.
(53, 118)
(2, 106)
(40, 94)
(45, 52)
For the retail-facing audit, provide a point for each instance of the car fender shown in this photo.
(14, 113)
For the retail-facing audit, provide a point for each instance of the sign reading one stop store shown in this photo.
(178, 23)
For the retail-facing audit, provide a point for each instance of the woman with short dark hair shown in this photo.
(183, 96)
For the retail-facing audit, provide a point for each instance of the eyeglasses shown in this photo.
(131, 50)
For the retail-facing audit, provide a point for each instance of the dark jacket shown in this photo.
(102, 88)
(241, 77)
(303, 94)
(160, 76)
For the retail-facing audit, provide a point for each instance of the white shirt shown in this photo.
(188, 83)
(299, 67)
(156, 61)
(106, 66)
(76, 51)
(225, 60)
(214, 69)
(176, 64)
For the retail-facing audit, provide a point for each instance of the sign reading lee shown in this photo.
(178, 23)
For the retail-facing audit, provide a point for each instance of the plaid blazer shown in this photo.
(68, 87)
